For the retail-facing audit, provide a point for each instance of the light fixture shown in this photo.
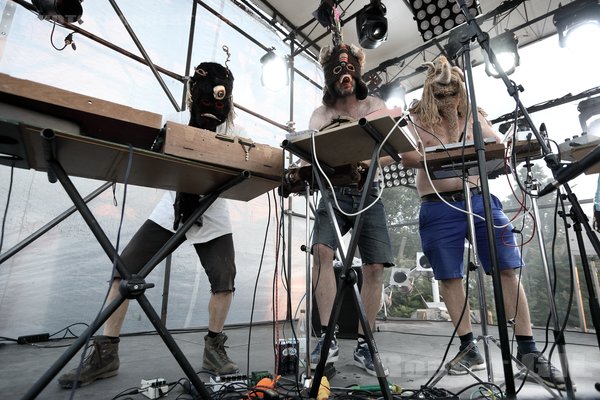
(393, 93)
(401, 278)
(274, 75)
(372, 25)
(506, 51)
(61, 11)
(395, 175)
(435, 17)
(577, 23)
(589, 115)
(423, 265)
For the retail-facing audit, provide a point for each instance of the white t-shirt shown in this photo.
(215, 220)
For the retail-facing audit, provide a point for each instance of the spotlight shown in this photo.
(61, 11)
(394, 94)
(506, 51)
(577, 22)
(371, 25)
(274, 74)
(401, 278)
(423, 265)
(435, 17)
(395, 175)
(589, 115)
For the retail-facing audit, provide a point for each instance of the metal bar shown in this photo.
(40, 232)
(143, 51)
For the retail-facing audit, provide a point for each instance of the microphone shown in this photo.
(571, 171)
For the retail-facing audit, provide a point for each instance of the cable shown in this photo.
(8, 196)
(330, 185)
(260, 265)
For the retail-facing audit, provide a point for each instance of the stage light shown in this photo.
(423, 265)
(506, 51)
(372, 25)
(589, 115)
(578, 23)
(394, 94)
(274, 75)
(435, 17)
(401, 278)
(395, 175)
(60, 11)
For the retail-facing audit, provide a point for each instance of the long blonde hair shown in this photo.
(440, 76)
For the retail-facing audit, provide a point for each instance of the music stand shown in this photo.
(363, 137)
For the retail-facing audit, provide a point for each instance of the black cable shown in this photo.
(260, 265)
(8, 195)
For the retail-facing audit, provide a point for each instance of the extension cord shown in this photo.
(154, 388)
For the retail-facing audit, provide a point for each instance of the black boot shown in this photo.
(102, 362)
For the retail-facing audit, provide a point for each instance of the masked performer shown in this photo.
(346, 97)
(439, 118)
(211, 108)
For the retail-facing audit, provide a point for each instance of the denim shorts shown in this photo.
(373, 242)
(443, 232)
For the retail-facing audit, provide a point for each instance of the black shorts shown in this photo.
(216, 256)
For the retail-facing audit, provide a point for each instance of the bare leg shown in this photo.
(370, 293)
(112, 326)
(453, 292)
(218, 308)
(324, 283)
(515, 302)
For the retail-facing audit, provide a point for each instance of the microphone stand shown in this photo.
(552, 163)
(555, 166)
(475, 31)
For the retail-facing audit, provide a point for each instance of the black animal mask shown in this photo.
(337, 62)
(211, 88)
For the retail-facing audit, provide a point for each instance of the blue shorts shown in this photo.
(374, 241)
(443, 232)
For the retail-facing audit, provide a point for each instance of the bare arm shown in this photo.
(413, 159)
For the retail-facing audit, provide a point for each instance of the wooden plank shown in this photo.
(205, 146)
(97, 159)
(97, 118)
(350, 142)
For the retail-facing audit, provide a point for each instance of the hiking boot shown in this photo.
(536, 362)
(363, 359)
(102, 362)
(215, 357)
(466, 360)
(332, 356)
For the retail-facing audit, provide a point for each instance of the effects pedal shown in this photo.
(154, 388)
(288, 356)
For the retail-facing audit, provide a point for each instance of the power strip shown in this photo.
(154, 388)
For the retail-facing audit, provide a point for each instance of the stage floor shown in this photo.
(412, 350)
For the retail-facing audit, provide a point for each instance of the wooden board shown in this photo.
(350, 142)
(96, 118)
(97, 159)
(230, 152)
